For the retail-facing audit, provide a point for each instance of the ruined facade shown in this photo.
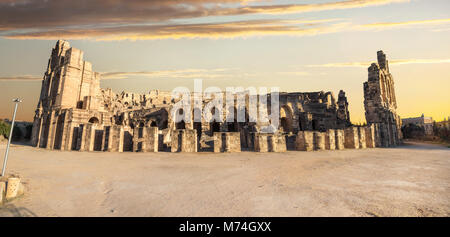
(74, 113)
(380, 102)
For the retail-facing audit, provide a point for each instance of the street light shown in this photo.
(17, 101)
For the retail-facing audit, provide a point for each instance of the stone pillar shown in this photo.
(105, 142)
(184, 140)
(261, 144)
(51, 131)
(377, 135)
(81, 144)
(351, 138)
(115, 139)
(304, 141)
(65, 132)
(227, 142)
(319, 141)
(330, 139)
(89, 137)
(279, 143)
(151, 141)
(384, 135)
(340, 141)
(35, 133)
(218, 142)
(362, 137)
(370, 136)
(69, 137)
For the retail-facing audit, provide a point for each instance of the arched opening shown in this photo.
(315, 125)
(180, 125)
(164, 124)
(141, 130)
(286, 119)
(233, 126)
(197, 124)
(179, 122)
(93, 120)
(214, 127)
(300, 127)
(153, 124)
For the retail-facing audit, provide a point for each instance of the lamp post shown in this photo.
(17, 101)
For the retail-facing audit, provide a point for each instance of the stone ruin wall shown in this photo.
(380, 102)
(74, 113)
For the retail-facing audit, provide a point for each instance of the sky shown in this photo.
(302, 46)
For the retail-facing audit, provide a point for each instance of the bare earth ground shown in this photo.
(411, 180)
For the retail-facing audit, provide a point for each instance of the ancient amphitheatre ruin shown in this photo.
(74, 113)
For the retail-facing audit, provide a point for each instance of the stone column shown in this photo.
(51, 131)
(330, 140)
(82, 137)
(370, 136)
(362, 137)
(319, 141)
(217, 142)
(151, 139)
(351, 138)
(304, 141)
(340, 140)
(261, 142)
(279, 143)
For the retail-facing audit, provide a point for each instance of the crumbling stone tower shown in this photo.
(380, 102)
(342, 113)
(70, 89)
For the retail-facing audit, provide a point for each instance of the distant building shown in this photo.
(422, 121)
(443, 124)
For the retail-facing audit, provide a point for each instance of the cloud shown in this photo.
(203, 30)
(295, 73)
(21, 78)
(382, 25)
(391, 62)
(300, 8)
(44, 19)
(183, 73)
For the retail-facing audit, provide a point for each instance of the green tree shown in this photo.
(4, 129)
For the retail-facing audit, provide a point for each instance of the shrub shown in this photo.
(4, 129)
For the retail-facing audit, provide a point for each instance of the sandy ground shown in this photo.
(411, 180)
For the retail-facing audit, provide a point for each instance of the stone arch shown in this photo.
(286, 119)
(180, 117)
(214, 125)
(93, 120)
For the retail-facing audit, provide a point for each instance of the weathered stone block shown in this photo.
(340, 140)
(184, 140)
(261, 142)
(351, 138)
(319, 141)
(330, 139)
(2, 190)
(115, 140)
(362, 137)
(279, 143)
(145, 139)
(370, 136)
(227, 142)
(12, 187)
(305, 141)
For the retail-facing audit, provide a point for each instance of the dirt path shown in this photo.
(412, 180)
